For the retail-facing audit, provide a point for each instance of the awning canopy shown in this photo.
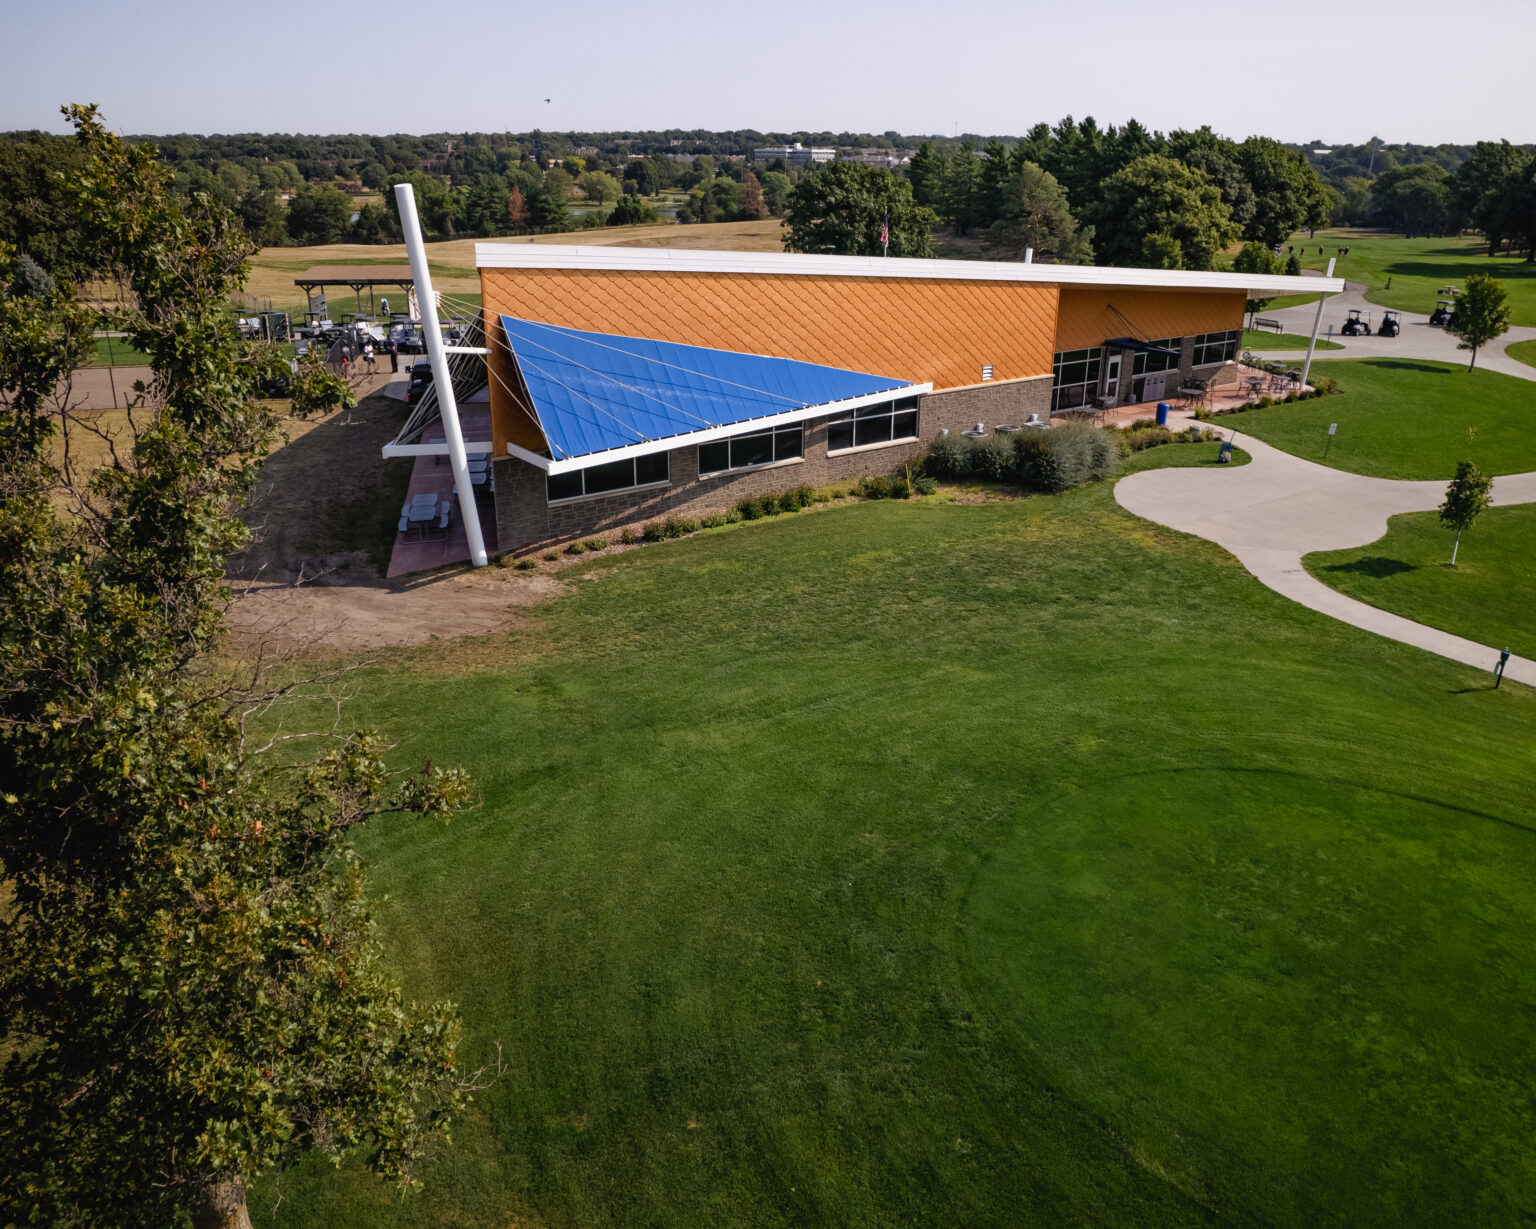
(1140, 347)
(596, 392)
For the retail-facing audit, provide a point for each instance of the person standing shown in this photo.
(368, 356)
(392, 348)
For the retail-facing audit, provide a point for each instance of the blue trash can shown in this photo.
(1162, 413)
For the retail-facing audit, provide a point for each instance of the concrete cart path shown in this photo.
(1272, 511)
(1417, 340)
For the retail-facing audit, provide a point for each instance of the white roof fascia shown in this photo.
(682, 260)
(746, 427)
(432, 450)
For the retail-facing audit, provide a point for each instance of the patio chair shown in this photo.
(442, 520)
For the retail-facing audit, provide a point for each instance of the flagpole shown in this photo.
(885, 234)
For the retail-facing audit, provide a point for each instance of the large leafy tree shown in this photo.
(1159, 213)
(1476, 185)
(34, 214)
(1288, 195)
(1216, 156)
(1034, 214)
(842, 206)
(1413, 199)
(319, 213)
(190, 991)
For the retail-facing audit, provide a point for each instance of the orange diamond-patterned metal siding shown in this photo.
(1090, 317)
(934, 330)
(922, 330)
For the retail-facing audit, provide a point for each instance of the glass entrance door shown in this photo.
(1112, 379)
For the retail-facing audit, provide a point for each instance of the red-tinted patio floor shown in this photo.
(415, 552)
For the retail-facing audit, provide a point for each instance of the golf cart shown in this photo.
(1390, 326)
(1358, 324)
(1444, 313)
(421, 380)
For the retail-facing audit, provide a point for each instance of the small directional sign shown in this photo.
(1332, 427)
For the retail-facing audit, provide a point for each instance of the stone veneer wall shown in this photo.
(526, 520)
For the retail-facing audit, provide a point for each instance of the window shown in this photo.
(649, 470)
(1216, 347)
(753, 448)
(883, 423)
(1077, 378)
(1148, 363)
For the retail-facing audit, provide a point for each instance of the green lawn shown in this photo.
(923, 863)
(1489, 596)
(1254, 339)
(114, 352)
(1290, 300)
(1407, 418)
(1418, 268)
(1523, 351)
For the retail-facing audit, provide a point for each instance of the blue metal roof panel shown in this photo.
(596, 391)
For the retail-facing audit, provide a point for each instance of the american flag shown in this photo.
(885, 233)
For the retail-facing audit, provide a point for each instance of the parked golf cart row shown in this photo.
(1359, 324)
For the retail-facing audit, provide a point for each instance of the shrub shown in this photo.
(1148, 437)
(628, 536)
(551, 555)
(922, 484)
(878, 486)
(1066, 456)
(526, 565)
(749, 509)
(1266, 401)
(679, 526)
(948, 457)
(1325, 385)
(597, 543)
(804, 496)
(715, 520)
(503, 561)
(576, 548)
(654, 531)
(991, 456)
(733, 517)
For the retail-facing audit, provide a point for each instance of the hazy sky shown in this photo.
(1406, 70)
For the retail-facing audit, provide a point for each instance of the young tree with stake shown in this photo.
(1482, 313)
(1465, 497)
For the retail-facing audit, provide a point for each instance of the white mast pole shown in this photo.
(1317, 323)
(405, 198)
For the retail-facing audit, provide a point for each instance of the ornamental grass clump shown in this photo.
(1065, 457)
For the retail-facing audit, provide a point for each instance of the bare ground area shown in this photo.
(331, 616)
(327, 501)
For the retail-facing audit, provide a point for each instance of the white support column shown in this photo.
(1317, 324)
(405, 197)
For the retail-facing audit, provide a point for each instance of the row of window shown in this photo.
(1147, 364)
(1076, 378)
(886, 423)
(1216, 347)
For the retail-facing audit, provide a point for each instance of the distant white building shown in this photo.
(793, 153)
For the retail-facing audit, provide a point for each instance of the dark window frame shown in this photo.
(875, 425)
(647, 462)
(779, 440)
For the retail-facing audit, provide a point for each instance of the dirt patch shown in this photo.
(334, 617)
(326, 500)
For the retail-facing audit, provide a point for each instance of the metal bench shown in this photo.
(1264, 322)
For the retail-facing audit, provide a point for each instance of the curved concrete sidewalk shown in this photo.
(1417, 340)
(1272, 511)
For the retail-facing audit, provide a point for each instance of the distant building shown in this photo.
(793, 153)
(887, 158)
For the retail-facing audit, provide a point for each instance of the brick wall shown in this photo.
(526, 520)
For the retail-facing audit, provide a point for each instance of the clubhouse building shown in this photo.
(628, 384)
